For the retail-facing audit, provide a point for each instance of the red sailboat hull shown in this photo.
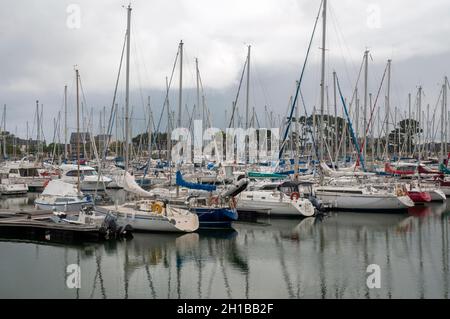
(419, 197)
(425, 170)
(390, 170)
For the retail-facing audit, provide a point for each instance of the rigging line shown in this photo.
(257, 120)
(113, 104)
(237, 94)
(139, 79)
(350, 106)
(300, 81)
(310, 131)
(355, 141)
(372, 111)
(85, 105)
(260, 82)
(167, 92)
(154, 136)
(138, 60)
(434, 113)
(340, 39)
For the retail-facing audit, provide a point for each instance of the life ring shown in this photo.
(295, 195)
(157, 208)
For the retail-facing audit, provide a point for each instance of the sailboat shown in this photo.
(341, 194)
(275, 202)
(146, 214)
(62, 196)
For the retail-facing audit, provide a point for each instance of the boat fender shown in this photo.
(295, 195)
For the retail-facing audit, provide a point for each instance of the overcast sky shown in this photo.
(43, 40)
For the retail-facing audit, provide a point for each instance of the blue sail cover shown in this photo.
(181, 182)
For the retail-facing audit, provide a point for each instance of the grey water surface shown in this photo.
(263, 258)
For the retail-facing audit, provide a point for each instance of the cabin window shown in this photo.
(340, 191)
(14, 171)
(28, 172)
(72, 173)
(268, 187)
(89, 173)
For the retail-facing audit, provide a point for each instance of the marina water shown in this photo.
(316, 257)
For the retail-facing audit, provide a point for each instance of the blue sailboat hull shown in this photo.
(215, 217)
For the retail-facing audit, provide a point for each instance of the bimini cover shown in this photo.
(57, 187)
(205, 187)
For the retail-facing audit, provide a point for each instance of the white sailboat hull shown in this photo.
(437, 195)
(367, 202)
(62, 207)
(264, 202)
(143, 221)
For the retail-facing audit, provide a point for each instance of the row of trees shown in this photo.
(402, 137)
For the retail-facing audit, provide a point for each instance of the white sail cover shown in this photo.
(128, 183)
(59, 188)
(348, 171)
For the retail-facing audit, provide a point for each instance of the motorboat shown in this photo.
(89, 178)
(9, 188)
(24, 172)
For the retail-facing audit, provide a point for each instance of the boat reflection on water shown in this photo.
(315, 257)
(14, 202)
(420, 211)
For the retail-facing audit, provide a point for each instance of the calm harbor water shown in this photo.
(266, 258)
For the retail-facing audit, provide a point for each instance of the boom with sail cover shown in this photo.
(181, 182)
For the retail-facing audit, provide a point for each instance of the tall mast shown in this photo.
(180, 93)
(322, 79)
(28, 140)
(65, 121)
(336, 155)
(198, 88)
(372, 143)
(149, 134)
(4, 129)
(419, 111)
(409, 124)
(248, 88)
(78, 133)
(38, 131)
(127, 89)
(395, 131)
(427, 140)
(117, 128)
(366, 70)
(387, 108)
(443, 120)
(296, 136)
(168, 137)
